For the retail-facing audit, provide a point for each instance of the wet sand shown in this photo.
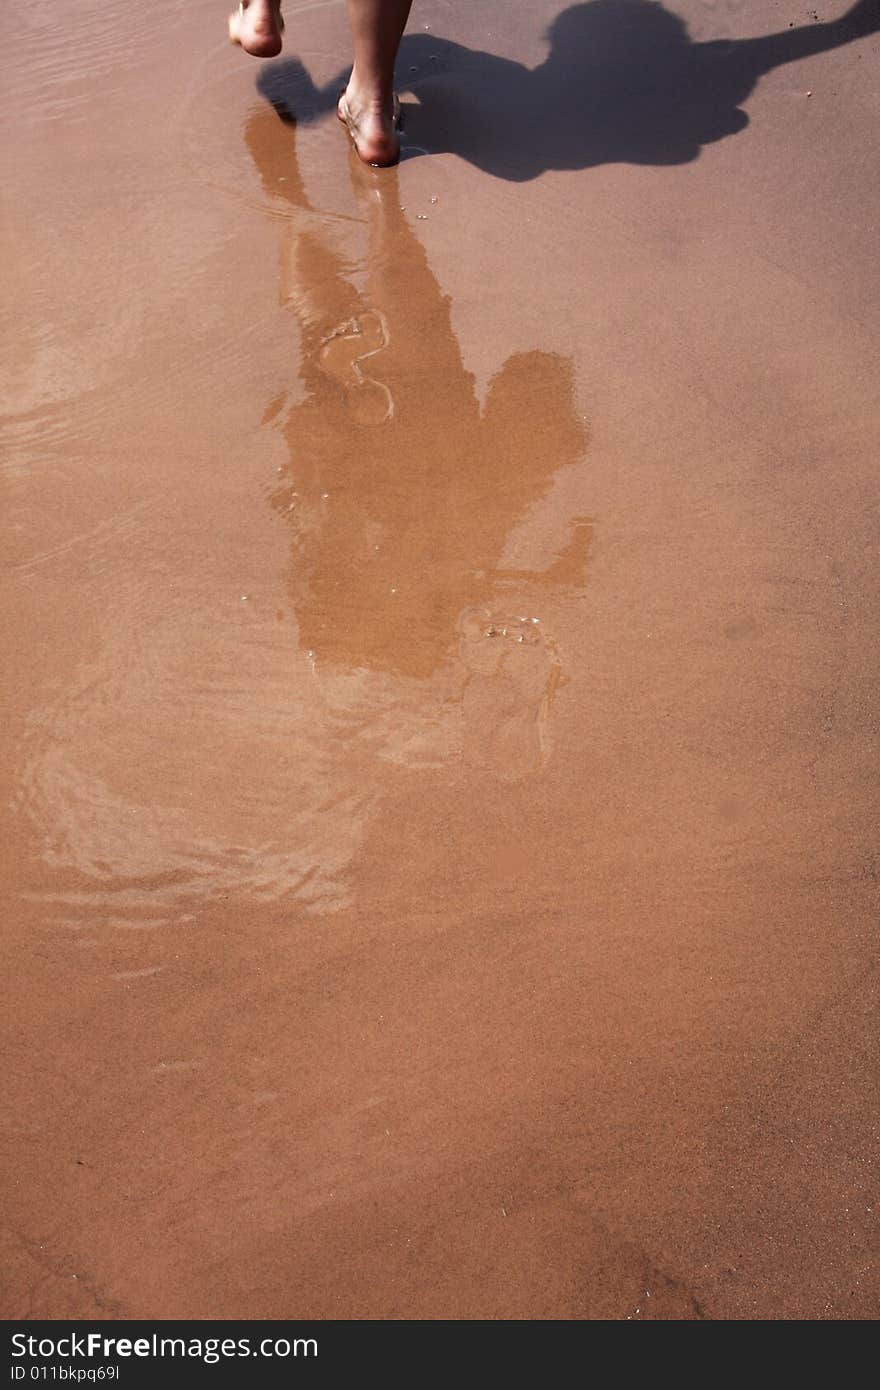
(440, 691)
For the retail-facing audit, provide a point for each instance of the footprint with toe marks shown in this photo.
(341, 355)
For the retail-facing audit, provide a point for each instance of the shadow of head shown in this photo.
(601, 30)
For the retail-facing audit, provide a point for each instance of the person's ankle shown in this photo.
(371, 99)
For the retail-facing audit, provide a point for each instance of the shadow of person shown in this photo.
(623, 82)
(400, 489)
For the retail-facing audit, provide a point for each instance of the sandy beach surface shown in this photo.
(440, 690)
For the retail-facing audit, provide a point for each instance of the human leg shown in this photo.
(367, 104)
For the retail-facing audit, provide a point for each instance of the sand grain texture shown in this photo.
(440, 688)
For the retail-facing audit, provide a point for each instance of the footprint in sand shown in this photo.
(341, 357)
(513, 671)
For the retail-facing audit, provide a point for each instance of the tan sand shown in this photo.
(441, 682)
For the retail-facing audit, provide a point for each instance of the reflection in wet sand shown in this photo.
(192, 757)
(356, 968)
(402, 490)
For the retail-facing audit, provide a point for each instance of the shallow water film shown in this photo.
(440, 680)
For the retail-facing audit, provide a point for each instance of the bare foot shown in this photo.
(257, 26)
(372, 127)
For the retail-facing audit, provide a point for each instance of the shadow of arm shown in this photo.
(791, 45)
